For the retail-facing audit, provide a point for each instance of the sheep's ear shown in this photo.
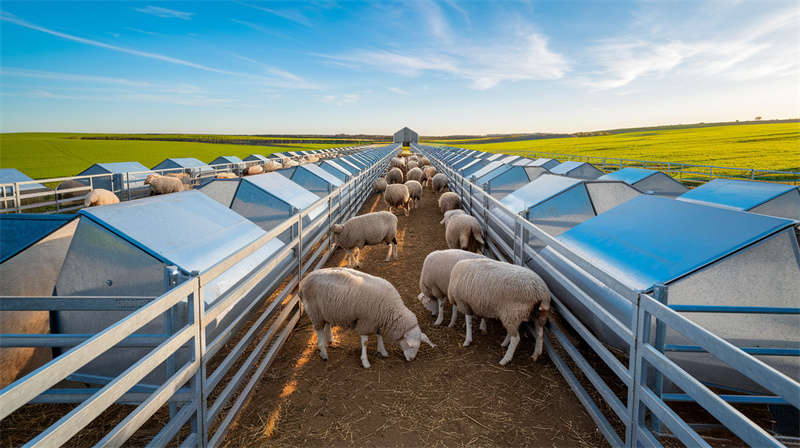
(424, 338)
(337, 228)
(445, 219)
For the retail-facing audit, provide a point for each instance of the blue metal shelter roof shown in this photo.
(538, 191)
(11, 175)
(736, 194)
(184, 162)
(116, 168)
(649, 239)
(547, 163)
(19, 231)
(226, 159)
(629, 175)
(488, 169)
(255, 158)
(284, 189)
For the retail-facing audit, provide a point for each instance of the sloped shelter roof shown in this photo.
(647, 181)
(19, 231)
(579, 170)
(184, 162)
(12, 175)
(764, 198)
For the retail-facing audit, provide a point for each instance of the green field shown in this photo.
(768, 146)
(50, 155)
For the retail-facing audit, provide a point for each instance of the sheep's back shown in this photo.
(371, 228)
(437, 268)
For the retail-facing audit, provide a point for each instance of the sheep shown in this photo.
(226, 176)
(380, 185)
(449, 201)
(369, 229)
(394, 176)
(100, 196)
(429, 173)
(414, 191)
(252, 170)
(435, 278)
(398, 163)
(412, 164)
(424, 161)
(415, 174)
(361, 303)
(499, 290)
(270, 166)
(288, 163)
(163, 185)
(397, 196)
(439, 184)
(178, 175)
(70, 184)
(31, 273)
(462, 231)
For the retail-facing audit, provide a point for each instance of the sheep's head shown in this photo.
(411, 341)
(150, 178)
(449, 214)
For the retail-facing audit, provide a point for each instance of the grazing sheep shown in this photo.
(439, 184)
(498, 290)
(424, 161)
(32, 272)
(429, 173)
(397, 196)
(449, 201)
(380, 185)
(394, 176)
(415, 174)
(369, 229)
(270, 166)
(100, 196)
(462, 231)
(163, 185)
(397, 162)
(252, 170)
(70, 184)
(414, 191)
(226, 176)
(435, 278)
(412, 164)
(361, 303)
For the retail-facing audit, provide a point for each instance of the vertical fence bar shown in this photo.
(661, 294)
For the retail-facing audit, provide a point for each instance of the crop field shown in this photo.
(50, 155)
(768, 146)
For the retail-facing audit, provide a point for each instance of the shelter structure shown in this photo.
(118, 176)
(13, 175)
(18, 231)
(312, 178)
(405, 137)
(188, 165)
(547, 163)
(508, 178)
(648, 181)
(779, 200)
(234, 164)
(255, 158)
(578, 170)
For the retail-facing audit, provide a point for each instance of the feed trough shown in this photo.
(578, 170)
(130, 249)
(648, 181)
(706, 256)
(505, 180)
(312, 178)
(782, 201)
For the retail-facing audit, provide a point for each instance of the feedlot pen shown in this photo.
(448, 396)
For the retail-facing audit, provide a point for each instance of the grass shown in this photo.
(50, 155)
(768, 146)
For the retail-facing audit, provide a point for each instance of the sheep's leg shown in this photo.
(328, 334)
(468, 340)
(541, 320)
(394, 244)
(389, 254)
(482, 326)
(454, 317)
(381, 348)
(323, 352)
(364, 360)
(512, 347)
(350, 259)
(440, 318)
(506, 340)
(356, 256)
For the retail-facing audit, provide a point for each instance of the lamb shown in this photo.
(397, 196)
(449, 201)
(101, 196)
(439, 184)
(226, 176)
(163, 185)
(494, 289)
(429, 173)
(380, 185)
(415, 174)
(414, 191)
(252, 170)
(361, 303)
(31, 273)
(394, 176)
(435, 278)
(462, 231)
(369, 229)
(70, 184)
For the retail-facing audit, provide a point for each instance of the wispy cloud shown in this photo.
(398, 91)
(263, 29)
(340, 100)
(292, 14)
(40, 74)
(285, 77)
(165, 13)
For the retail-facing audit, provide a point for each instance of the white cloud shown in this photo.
(398, 91)
(165, 13)
(340, 100)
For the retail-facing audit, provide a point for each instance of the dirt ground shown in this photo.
(448, 396)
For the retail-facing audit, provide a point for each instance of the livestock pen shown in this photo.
(290, 396)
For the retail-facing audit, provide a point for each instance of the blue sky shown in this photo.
(438, 67)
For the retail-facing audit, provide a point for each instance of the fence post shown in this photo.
(17, 201)
(661, 294)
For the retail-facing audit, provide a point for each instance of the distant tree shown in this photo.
(758, 118)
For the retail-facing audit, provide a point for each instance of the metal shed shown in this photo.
(405, 137)
(342, 171)
(12, 175)
(780, 200)
(547, 163)
(648, 181)
(234, 162)
(578, 170)
(706, 256)
(127, 249)
(19, 231)
(504, 181)
(187, 165)
(119, 173)
(312, 178)
(255, 158)
(472, 167)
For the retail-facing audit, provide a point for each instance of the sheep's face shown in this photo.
(411, 341)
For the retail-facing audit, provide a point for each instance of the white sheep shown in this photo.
(462, 231)
(499, 290)
(288, 163)
(71, 184)
(362, 303)
(380, 185)
(429, 173)
(449, 201)
(252, 170)
(424, 161)
(369, 229)
(435, 278)
(100, 196)
(415, 174)
(414, 192)
(397, 196)
(270, 166)
(31, 273)
(226, 176)
(412, 163)
(163, 185)
(394, 176)
(439, 184)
